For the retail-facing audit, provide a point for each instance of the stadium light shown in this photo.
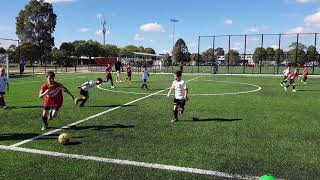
(174, 21)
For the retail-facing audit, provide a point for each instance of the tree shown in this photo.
(111, 50)
(129, 49)
(30, 52)
(167, 59)
(195, 57)
(68, 47)
(218, 52)
(233, 56)
(279, 55)
(13, 53)
(180, 52)
(311, 54)
(260, 54)
(2, 50)
(300, 46)
(149, 51)
(208, 55)
(36, 24)
(270, 54)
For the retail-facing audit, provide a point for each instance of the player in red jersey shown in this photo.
(129, 73)
(52, 91)
(291, 79)
(109, 75)
(305, 75)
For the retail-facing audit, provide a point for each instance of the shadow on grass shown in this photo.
(17, 136)
(213, 119)
(99, 128)
(73, 143)
(308, 90)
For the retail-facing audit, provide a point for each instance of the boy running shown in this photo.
(4, 81)
(84, 91)
(292, 77)
(118, 67)
(145, 75)
(129, 73)
(53, 101)
(109, 75)
(181, 94)
(286, 74)
(305, 75)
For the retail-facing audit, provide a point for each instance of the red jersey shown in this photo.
(108, 71)
(293, 75)
(305, 73)
(129, 70)
(54, 97)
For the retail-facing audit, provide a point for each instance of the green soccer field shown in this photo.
(233, 126)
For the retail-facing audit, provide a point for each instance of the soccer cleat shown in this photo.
(44, 128)
(294, 90)
(174, 120)
(76, 102)
(281, 84)
(285, 88)
(4, 107)
(112, 87)
(181, 110)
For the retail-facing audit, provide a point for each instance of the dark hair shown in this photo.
(99, 79)
(51, 74)
(178, 73)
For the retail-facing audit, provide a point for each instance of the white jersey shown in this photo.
(145, 74)
(286, 72)
(179, 89)
(3, 82)
(91, 84)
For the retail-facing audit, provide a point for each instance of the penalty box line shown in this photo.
(127, 162)
(88, 118)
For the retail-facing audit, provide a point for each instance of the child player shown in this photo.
(181, 94)
(145, 75)
(129, 73)
(4, 81)
(52, 91)
(109, 75)
(84, 91)
(291, 79)
(286, 74)
(305, 75)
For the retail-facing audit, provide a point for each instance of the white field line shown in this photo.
(127, 162)
(206, 94)
(88, 118)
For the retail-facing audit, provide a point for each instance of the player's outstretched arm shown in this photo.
(66, 90)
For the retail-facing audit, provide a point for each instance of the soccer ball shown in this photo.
(64, 138)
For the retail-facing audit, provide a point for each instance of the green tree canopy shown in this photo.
(312, 54)
(129, 49)
(279, 55)
(232, 57)
(260, 54)
(111, 50)
(149, 51)
(180, 52)
(195, 57)
(270, 54)
(30, 52)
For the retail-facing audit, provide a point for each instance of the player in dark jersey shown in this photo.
(52, 91)
(108, 71)
(118, 67)
(129, 73)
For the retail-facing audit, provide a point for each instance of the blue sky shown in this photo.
(147, 23)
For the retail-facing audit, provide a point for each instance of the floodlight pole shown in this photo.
(104, 30)
(174, 21)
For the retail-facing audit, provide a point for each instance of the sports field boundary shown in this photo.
(89, 118)
(127, 162)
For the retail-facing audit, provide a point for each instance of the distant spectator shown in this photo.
(21, 66)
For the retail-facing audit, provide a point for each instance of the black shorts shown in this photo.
(178, 102)
(305, 78)
(144, 80)
(291, 81)
(109, 78)
(48, 108)
(2, 93)
(84, 93)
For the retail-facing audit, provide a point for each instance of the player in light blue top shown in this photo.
(145, 75)
(4, 81)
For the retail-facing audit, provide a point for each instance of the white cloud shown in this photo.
(138, 37)
(304, 1)
(236, 46)
(151, 40)
(84, 30)
(254, 39)
(58, 1)
(313, 19)
(152, 27)
(274, 46)
(228, 22)
(6, 44)
(252, 29)
(296, 30)
(99, 32)
(99, 16)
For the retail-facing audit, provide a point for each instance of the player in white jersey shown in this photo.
(180, 95)
(286, 74)
(145, 75)
(4, 81)
(84, 91)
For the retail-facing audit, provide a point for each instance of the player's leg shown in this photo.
(55, 111)
(45, 115)
(175, 110)
(183, 103)
(84, 100)
(111, 80)
(293, 86)
(1, 100)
